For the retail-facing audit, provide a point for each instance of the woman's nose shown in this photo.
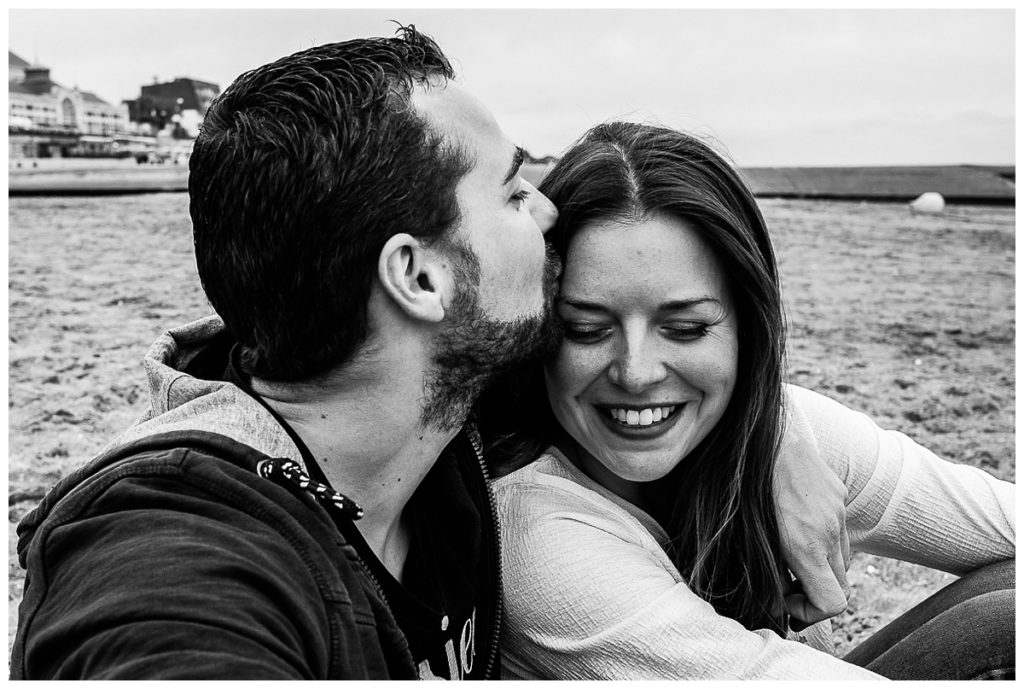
(637, 368)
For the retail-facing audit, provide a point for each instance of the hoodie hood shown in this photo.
(242, 447)
(189, 403)
(184, 368)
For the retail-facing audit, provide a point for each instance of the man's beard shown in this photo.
(473, 349)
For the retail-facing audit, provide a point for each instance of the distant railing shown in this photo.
(64, 130)
(56, 130)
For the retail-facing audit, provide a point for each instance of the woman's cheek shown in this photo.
(710, 368)
(577, 366)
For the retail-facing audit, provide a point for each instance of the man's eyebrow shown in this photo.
(517, 162)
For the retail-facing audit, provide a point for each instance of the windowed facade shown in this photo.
(46, 119)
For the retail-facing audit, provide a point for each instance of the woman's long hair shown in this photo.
(724, 535)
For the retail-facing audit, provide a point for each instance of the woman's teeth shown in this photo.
(642, 417)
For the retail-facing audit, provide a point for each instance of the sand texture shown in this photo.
(908, 318)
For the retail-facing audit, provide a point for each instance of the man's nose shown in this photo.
(543, 211)
(637, 367)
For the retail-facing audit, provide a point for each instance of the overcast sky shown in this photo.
(772, 87)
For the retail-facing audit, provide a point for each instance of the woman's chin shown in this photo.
(641, 467)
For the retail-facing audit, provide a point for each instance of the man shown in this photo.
(304, 497)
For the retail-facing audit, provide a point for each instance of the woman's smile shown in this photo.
(648, 363)
(645, 416)
(636, 423)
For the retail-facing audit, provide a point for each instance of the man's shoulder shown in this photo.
(200, 488)
(176, 458)
(184, 528)
(168, 480)
(206, 468)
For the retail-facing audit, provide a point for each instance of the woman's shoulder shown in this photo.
(546, 483)
(552, 490)
(806, 398)
(540, 471)
(821, 415)
(848, 441)
(559, 531)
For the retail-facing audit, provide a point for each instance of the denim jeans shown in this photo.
(963, 631)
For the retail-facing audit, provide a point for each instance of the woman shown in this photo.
(642, 542)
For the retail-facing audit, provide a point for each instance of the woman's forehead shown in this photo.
(659, 254)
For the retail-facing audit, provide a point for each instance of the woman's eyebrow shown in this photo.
(674, 305)
(684, 304)
(580, 304)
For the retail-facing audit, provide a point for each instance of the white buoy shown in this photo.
(928, 202)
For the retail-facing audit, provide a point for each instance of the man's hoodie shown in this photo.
(171, 556)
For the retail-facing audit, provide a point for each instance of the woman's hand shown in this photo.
(810, 506)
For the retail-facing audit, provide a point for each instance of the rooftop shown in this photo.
(16, 61)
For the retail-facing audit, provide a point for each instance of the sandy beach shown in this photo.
(907, 318)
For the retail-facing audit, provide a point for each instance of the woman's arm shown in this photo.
(590, 595)
(904, 501)
(810, 509)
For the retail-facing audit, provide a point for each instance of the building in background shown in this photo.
(177, 107)
(17, 67)
(48, 120)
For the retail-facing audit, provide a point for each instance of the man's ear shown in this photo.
(413, 277)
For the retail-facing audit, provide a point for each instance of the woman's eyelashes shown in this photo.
(584, 333)
(685, 332)
(592, 333)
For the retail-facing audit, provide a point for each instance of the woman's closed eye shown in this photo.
(584, 333)
(592, 333)
(685, 332)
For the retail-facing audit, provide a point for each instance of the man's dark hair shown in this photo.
(302, 171)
